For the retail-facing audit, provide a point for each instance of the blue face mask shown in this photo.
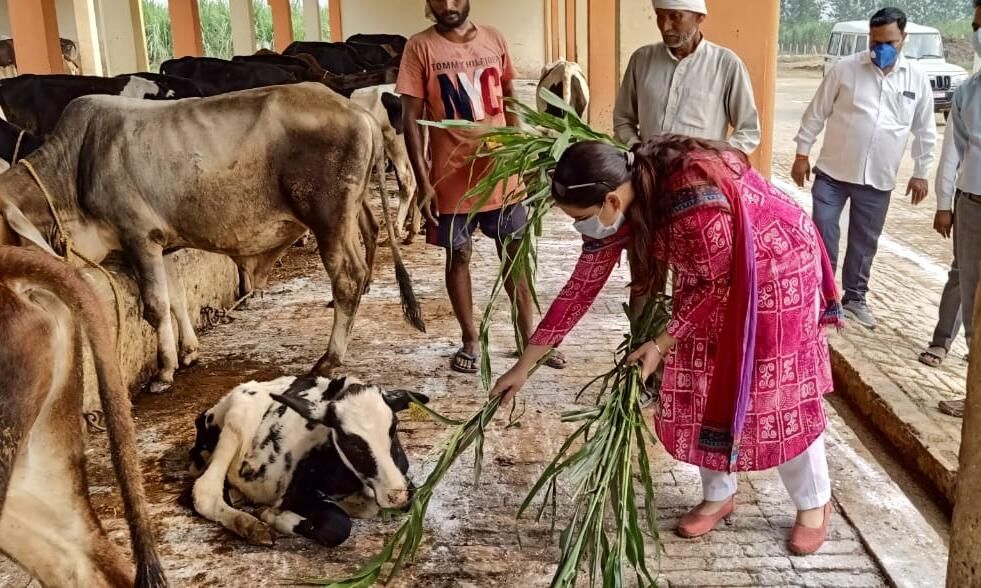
(884, 55)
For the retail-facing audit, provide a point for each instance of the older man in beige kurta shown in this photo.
(705, 94)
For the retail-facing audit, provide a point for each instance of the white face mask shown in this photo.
(593, 227)
(977, 42)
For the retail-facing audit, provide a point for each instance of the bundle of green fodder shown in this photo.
(607, 532)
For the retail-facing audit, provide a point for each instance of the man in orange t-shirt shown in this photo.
(458, 70)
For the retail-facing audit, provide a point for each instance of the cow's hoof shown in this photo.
(189, 358)
(409, 240)
(95, 421)
(256, 532)
(159, 387)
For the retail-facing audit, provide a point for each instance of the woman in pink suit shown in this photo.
(745, 356)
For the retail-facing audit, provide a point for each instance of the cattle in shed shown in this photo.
(566, 80)
(243, 174)
(378, 50)
(8, 58)
(218, 76)
(301, 64)
(313, 452)
(336, 58)
(35, 102)
(49, 316)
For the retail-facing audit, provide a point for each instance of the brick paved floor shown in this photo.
(907, 279)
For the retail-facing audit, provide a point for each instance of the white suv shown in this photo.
(924, 46)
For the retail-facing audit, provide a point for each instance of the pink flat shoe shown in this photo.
(695, 525)
(807, 541)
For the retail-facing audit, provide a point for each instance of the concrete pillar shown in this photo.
(123, 39)
(185, 28)
(554, 26)
(603, 63)
(964, 563)
(86, 24)
(336, 20)
(37, 44)
(570, 31)
(311, 20)
(282, 24)
(243, 26)
(751, 29)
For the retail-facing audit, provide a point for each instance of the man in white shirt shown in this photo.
(870, 102)
(959, 209)
(686, 85)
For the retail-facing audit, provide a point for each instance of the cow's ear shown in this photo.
(17, 225)
(399, 400)
(301, 406)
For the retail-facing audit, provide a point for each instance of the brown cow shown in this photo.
(244, 174)
(47, 523)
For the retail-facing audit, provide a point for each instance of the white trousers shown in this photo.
(805, 477)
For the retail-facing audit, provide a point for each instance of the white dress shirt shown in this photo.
(701, 96)
(869, 116)
(960, 162)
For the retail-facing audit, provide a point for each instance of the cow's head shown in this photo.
(364, 429)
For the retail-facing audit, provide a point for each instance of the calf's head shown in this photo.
(363, 425)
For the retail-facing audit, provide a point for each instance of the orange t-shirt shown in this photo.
(462, 81)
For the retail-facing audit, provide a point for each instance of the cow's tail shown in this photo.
(410, 304)
(74, 291)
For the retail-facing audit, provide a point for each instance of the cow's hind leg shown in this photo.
(188, 339)
(369, 234)
(345, 264)
(149, 263)
(209, 499)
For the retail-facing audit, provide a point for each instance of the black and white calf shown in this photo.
(314, 452)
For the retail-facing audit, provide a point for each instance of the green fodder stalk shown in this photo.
(606, 533)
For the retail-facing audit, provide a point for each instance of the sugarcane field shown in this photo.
(462, 293)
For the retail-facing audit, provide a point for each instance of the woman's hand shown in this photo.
(510, 384)
(649, 358)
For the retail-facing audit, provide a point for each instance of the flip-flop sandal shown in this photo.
(933, 356)
(954, 408)
(460, 361)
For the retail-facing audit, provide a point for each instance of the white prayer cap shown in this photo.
(697, 6)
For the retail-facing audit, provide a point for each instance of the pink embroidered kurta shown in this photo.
(792, 366)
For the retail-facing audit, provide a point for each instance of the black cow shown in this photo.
(378, 51)
(337, 58)
(16, 143)
(35, 102)
(218, 76)
(301, 65)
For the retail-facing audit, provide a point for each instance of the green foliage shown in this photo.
(805, 25)
(597, 465)
(216, 27)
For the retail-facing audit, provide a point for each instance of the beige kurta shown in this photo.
(703, 95)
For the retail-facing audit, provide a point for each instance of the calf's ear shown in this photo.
(301, 406)
(399, 400)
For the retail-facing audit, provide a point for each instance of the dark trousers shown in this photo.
(949, 319)
(866, 219)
